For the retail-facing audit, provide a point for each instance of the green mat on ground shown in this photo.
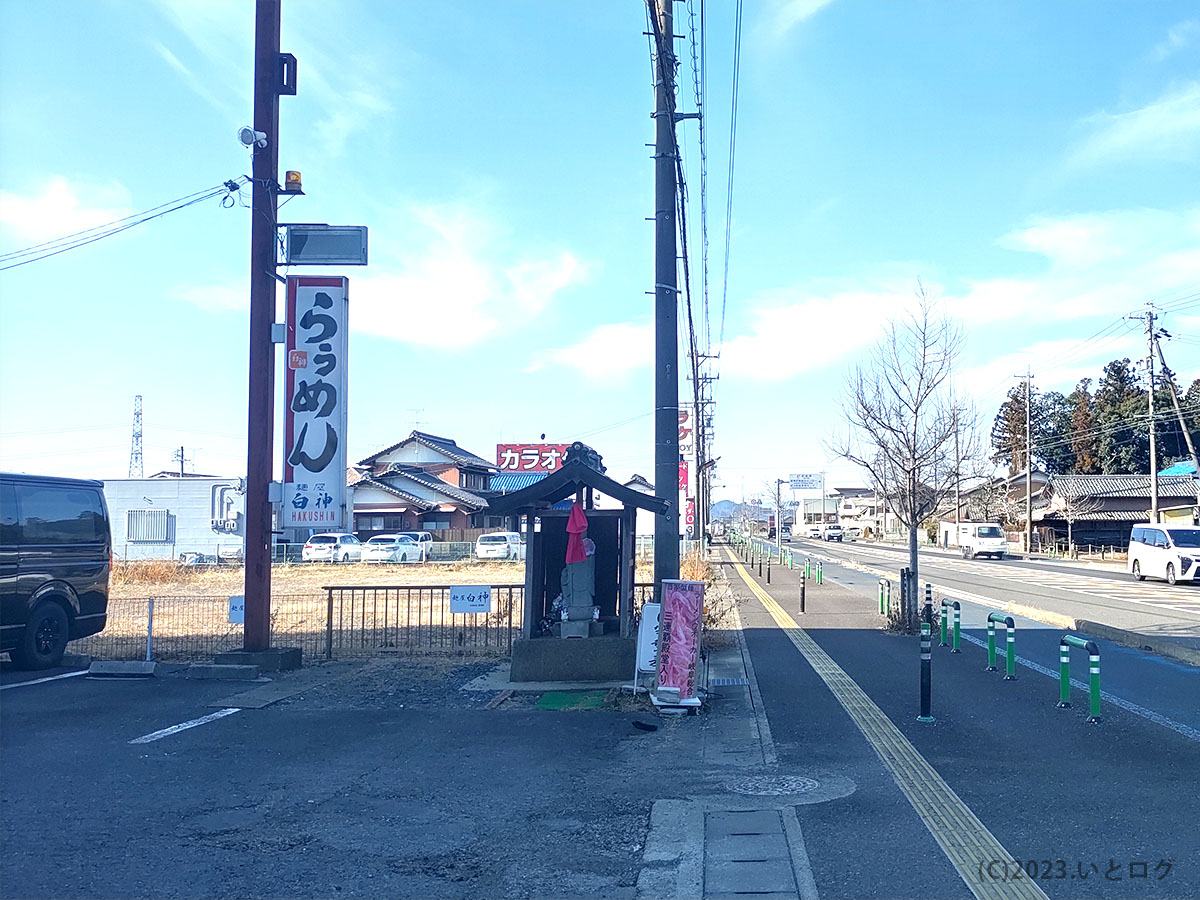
(571, 700)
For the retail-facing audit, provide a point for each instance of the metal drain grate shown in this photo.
(772, 785)
(727, 682)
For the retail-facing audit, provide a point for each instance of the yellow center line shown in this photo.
(989, 871)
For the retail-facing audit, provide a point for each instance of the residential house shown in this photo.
(422, 483)
(858, 507)
(1102, 509)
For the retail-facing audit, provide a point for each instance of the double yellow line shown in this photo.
(991, 872)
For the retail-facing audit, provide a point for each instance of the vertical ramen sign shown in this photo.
(314, 424)
(679, 636)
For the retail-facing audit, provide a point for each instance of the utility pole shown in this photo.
(1170, 377)
(180, 458)
(1028, 460)
(779, 515)
(957, 479)
(261, 420)
(666, 302)
(1150, 397)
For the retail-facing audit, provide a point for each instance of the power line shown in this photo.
(89, 236)
(737, 64)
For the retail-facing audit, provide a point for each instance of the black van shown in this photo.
(55, 560)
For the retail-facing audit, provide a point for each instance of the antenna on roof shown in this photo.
(417, 423)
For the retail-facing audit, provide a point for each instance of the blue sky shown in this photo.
(1034, 164)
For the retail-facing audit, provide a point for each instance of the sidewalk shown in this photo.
(1001, 774)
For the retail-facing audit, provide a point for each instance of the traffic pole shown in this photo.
(926, 664)
(802, 582)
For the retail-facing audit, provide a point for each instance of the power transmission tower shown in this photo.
(135, 451)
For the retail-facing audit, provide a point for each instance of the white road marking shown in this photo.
(42, 680)
(183, 726)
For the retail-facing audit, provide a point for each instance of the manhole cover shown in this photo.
(772, 785)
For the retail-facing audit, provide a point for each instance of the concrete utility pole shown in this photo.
(779, 515)
(957, 479)
(666, 302)
(1150, 396)
(261, 420)
(1028, 461)
(1170, 377)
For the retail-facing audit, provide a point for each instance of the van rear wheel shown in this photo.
(1137, 571)
(45, 639)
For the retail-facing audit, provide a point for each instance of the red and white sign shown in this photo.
(689, 517)
(683, 476)
(687, 429)
(530, 457)
(314, 422)
(679, 639)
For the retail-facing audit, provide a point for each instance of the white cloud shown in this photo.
(1178, 36)
(1098, 264)
(784, 15)
(1167, 128)
(59, 207)
(813, 330)
(214, 298)
(453, 282)
(610, 353)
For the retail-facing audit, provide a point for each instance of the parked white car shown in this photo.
(500, 545)
(332, 548)
(1164, 551)
(424, 542)
(814, 531)
(391, 548)
(833, 533)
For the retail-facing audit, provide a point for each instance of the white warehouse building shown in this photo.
(167, 516)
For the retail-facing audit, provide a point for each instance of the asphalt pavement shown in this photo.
(1054, 791)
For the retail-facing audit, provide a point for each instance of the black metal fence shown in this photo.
(340, 622)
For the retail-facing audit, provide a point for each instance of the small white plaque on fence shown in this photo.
(471, 598)
(237, 610)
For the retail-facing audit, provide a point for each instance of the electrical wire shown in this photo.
(737, 64)
(54, 247)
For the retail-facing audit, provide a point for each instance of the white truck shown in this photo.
(981, 539)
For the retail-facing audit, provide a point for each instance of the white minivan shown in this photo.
(1164, 551)
(500, 545)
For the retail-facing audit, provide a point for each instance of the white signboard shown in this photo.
(237, 610)
(647, 640)
(471, 598)
(314, 424)
(687, 430)
(806, 482)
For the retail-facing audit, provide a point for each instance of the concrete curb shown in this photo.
(117, 668)
(1161, 646)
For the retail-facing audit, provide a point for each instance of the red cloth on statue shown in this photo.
(576, 525)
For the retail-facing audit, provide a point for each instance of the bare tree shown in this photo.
(1075, 508)
(902, 423)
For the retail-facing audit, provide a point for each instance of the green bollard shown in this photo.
(1010, 650)
(819, 579)
(945, 625)
(991, 648)
(1064, 674)
(881, 596)
(887, 590)
(957, 623)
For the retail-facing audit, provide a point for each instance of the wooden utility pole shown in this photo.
(261, 421)
(666, 301)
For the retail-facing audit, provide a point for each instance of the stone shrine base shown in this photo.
(606, 658)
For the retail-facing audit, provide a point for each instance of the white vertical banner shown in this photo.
(314, 424)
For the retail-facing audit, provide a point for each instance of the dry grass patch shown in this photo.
(142, 579)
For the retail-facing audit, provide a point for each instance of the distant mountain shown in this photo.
(723, 509)
(727, 509)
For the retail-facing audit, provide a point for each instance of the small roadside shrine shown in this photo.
(579, 572)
